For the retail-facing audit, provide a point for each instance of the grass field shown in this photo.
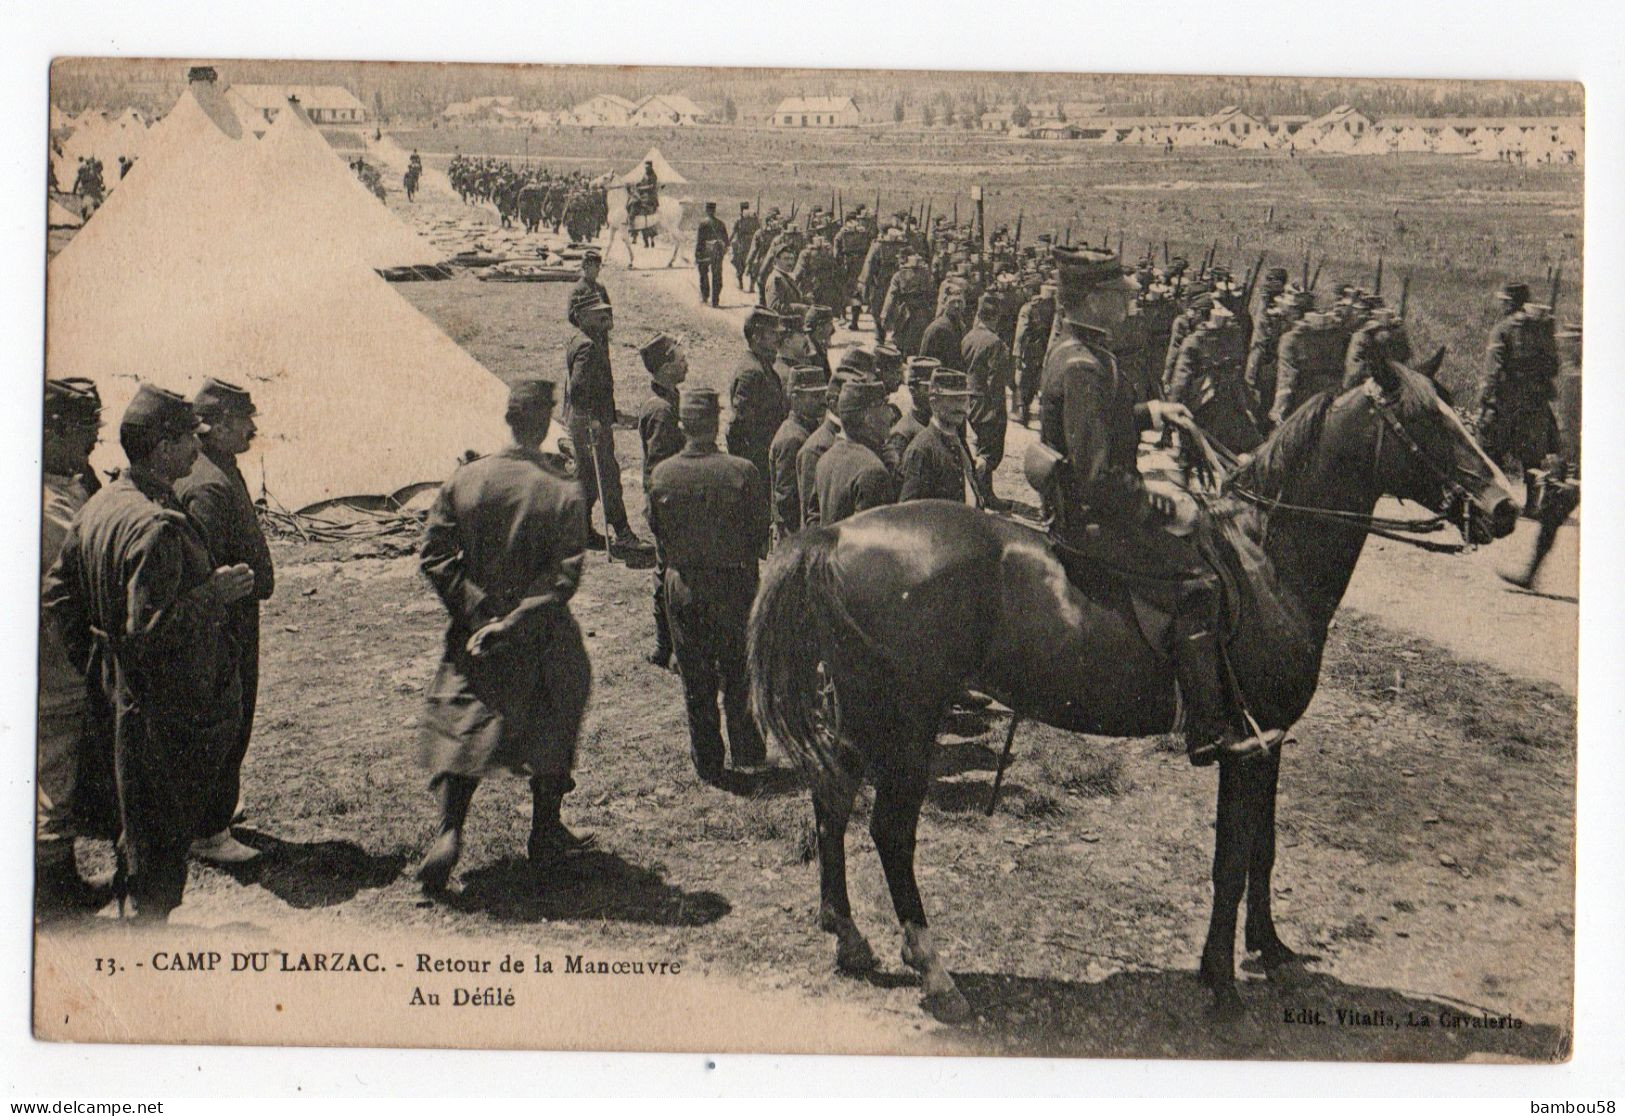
(1458, 227)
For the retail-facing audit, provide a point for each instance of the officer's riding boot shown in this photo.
(454, 793)
(549, 839)
(1210, 732)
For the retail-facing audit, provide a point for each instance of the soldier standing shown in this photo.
(809, 384)
(141, 609)
(589, 410)
(851, 478)
(744, 231)
(851, 249)
(587, 289)
(874, 280)
(756, 393)
(216, 498)
(1033, 327)
(710, 517)
(1102, 508)
(710, 246)
(73, 419)
(658, 430)
(908, 304)
(504, 549)
(1209, 379)
(941, 338)
(1516, 421)
(920, 372)
(1263, 354)
(807, 345)
(820, 440)
(781, 293)
(1310, 362)
(985, 359)
(937, 463)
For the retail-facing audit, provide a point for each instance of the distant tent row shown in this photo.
(97, 135)
(254, 261)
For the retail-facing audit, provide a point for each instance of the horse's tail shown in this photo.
(795, 611)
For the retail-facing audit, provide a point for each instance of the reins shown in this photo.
(1221, 461)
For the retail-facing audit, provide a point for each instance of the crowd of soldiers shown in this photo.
(151, 585)
(533, 196)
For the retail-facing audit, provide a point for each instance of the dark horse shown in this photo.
(863, 633)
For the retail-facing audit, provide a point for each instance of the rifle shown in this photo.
(758, 205)
(1068, 239)
(1207, 264)
(1377, 289)
(1557, 287)
(1164, 251)
(1119, 245)
(927, 225)
(1252, 282)
(877, 208)
(1021, 216)
(1314, 280)
(1306, 267)
(1404, 296)
(790, 220)
(840, 207)
(956, 212)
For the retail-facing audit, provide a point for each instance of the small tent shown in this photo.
(667, 173)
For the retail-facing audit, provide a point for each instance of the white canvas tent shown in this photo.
(302, 177)
(59, 216)
(667, 173)
(176, 279)
(1451, 142)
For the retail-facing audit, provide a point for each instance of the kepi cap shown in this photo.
(216, 397)
(762, 318)
(657, 351)
(531, 394)
(921, 370)
(698, 406)
(809, 379)
(949, 381)
(163, 412)
(72, 399)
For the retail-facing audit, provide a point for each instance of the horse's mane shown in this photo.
(1271, 468)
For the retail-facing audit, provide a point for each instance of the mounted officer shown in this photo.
(1102, 512)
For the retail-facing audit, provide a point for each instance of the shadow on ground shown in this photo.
(590, 885)
(1168, 1014)
(314, 874)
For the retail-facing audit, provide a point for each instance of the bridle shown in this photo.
(1385, 406)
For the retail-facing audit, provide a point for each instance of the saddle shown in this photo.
(1098, 561)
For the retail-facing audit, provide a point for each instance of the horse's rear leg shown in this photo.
(1261, 937)
(898, 798)
(1232, 848)
(831, 811)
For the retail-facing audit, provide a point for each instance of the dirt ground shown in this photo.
(1426, 861)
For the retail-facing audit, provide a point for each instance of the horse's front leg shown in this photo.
(898, 798)
(852, 952)
(1260, 935)
(1232, 846)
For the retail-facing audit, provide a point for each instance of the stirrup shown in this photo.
(1249, 748)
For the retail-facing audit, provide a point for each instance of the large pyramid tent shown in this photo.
(1451, 142)
(667, 173)
(302, 177)
(176, 279)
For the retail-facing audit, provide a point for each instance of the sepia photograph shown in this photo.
(810, 561)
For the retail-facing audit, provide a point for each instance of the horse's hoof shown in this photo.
(1279, 959)
(853, 956)
(947, 1006)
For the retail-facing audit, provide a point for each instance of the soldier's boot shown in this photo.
(549, 838)
(1210, 726)
(661, 655)
(854, 315)
(1556, 503)
(454, 794)
(58, 887)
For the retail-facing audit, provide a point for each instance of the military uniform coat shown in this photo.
(658, 429)
(589, 390)
(902, 433)
(759, 406)
(131, 598)
(984, 357)
(1310, 362)
(934, 467)
(1515, 417)
(507, 530)
(782, 294)
(940, 341)
(217, 500)
(807, 458)
(787, 443)
(851, 478)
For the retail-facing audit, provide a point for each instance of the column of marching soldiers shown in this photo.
(152, 582)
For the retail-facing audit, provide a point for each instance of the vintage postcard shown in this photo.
(640, 559)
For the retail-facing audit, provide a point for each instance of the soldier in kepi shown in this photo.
(140, 608)
(739, 240)
(757, 394)
(504, 548)
(661, 436)
(1101, 509)
(216, 497)
(710, 247)
(710, 515)
(1516, 423)
(73, 419)
(808, 385)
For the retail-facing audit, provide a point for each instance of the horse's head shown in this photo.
(1425, 453)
